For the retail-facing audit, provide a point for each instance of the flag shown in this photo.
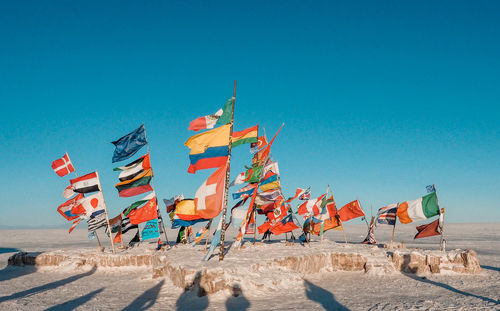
(419, 209)
(215, 241)
(298, 193)
(370, 237)
(209, 197)
(137, 204)
(147, 212)
(150, 230)
(244, 192)
(186, 210)
(252, 175)
(430, 188)
(267, 149)
(86, 183)
(88, 205)
(137, 185)
(261, 142)
(269, 182)
(387, 215)
(128, 145)
(331, 223)
(208, 149)
(68, 192)
(126, 225)
(75, 223)
(247, 136)
(170, 203)
(65, 208)
(271, 167)
(306, 195)
(177, 222)
(434, 228)
(201, 233)
(268, 196)
(133, 169)
(287, 224)
(63, 166)
(118, 238)
(350, 211)
(327, 208)
(184, 233)
(310, 207)
(97, 220)
(222, 116)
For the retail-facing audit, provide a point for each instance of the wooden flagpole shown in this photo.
(442, 246)
(363, 213)
(322, 220)
(226, 185)
(154, 189)
(106, 213)
(338, 218)
(394, 228)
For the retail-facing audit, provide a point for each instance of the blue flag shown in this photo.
(430, 188)
(151, 230)
(129, 144)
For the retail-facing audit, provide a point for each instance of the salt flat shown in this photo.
(66, 288)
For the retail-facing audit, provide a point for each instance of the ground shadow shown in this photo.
(74, 303)
(194, 296)
(237, 302)
(491, 268)
(322, 296)
(10, 272)
(452, 289)
(46, 287)
(147, 299)
(4, 250)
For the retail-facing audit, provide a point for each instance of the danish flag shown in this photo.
(63, 166)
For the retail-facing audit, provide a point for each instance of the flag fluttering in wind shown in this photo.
(86, 183)
(310, 207)
(210, 196)
(247, 136)
(137, 185)
(208, 149)
(350, 211)
(252, 175)
(261, 143)
(387, 215)
(63, 166)
(222, 116)
(138, 204)
(89, 204)
(419, 209)
(298, 193)
(147, 212)
(65, 208)
(128, 145)
(131, 170)
(432, 229)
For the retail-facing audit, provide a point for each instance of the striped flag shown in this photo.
(63, 166)
(97, 220)
(86, 183)
(134, 168)
(387, 214)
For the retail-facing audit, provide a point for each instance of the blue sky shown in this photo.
(379, 99)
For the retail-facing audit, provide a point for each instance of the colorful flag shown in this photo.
(68, 192)
(208, 149)
(434, 228)
(63, 166)
(177, 222)
(419, 209)
(247, 136)
(209, 197)
(202, 233)
(265, 151)
(269, 182)
(128, 145)
(215, 241)
(350, 211)
(170, 203)
(306, 195)
(150, 230)
(186, 210)
(133, 169)
(252, 175)
(86, 183)
(244, 192)
(88, 205)
(65, 208)
(387, 215)
(298, 193)
(261, 143)
(184, 233)
(137, 185)
(310, 207)
(147, 212)
(331, 223)
(222, 116)
(268, 196)
(370, 237)
(137, 204)
(75, 223)
(287, 224)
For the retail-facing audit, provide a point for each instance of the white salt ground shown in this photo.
(25, 288)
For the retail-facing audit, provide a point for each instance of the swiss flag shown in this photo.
(63, 166)
(208, 198)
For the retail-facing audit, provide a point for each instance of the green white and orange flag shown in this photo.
(419, 209)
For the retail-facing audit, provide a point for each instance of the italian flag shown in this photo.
(419, 209)
(222, 116)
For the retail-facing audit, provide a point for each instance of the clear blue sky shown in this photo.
(380, 98)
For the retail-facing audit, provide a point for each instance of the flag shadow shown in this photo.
(490, 268)
(452, 289)
(10, 272)
(47, 287)
(72, 304)
(237, 302)
(146, 300)
(323, 297)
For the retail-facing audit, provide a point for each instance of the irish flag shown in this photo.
(419, 209)
(222, 116)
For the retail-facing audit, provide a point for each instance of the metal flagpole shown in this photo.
(441, 242)
(153, 186)
(228, 170)
(106, 213)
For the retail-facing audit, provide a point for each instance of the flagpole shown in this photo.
(340, 222)
(106, 213)
(363, 213)
(98, 241)
(441, 242)
(153, 186)
(226, 184)
(322, 220)
(394, 228)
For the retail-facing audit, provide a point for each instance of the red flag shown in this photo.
(148, 212)
(118, 237)
(210, 196)
(428, 230)
(350, 211)
(65, 209)
(63, 166)
(264, 153)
